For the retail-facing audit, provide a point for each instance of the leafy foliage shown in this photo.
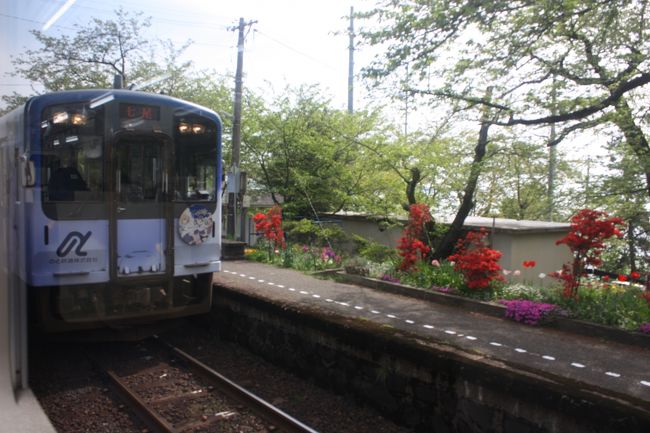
(373, 251)
(301, 149)
(270, 225)
(589, 230)
(478, 263)
(96, 52)
(309, 232)
(411, 245)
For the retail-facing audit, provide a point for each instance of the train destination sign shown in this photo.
(135, 111)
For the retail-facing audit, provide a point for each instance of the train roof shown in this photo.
(133, 96)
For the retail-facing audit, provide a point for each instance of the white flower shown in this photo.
(542, 275)
(506, 272)
(516, 273)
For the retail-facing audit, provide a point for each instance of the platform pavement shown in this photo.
(20, 412)
(612, 368)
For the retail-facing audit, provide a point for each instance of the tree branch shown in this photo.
(612, 99)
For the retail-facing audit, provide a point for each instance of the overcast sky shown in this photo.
(293, 42)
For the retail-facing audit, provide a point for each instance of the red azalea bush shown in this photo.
(586, 240)
(270, 225)
(477, 262)
(411, 246)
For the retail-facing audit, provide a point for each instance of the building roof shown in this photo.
(499, 224)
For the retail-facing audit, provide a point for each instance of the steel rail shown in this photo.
(280, 419)
(144, 411)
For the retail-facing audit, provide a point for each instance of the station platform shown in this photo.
(19, 412)
(604, 366)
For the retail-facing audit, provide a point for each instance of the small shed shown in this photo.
(517, 240)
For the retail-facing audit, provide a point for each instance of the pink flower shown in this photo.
(435, 263)
(506, 272)
(516, 273)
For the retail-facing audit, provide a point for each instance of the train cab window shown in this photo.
(196, 156)
(72, 163)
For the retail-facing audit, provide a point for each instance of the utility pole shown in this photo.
(351, 63)
(235, 194)
(552, 157)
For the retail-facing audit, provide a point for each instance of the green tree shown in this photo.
(301, 150)
(621, 192)
(95, 53)
(592, 54)
(514, 183)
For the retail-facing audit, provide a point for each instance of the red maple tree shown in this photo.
(586, 240)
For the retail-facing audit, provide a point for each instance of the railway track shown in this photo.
(177, 393)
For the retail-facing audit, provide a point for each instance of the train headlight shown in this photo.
(183, 128)
(197, 128)
(60, 117)
(78, 119)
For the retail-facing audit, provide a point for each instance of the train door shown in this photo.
(141, 214)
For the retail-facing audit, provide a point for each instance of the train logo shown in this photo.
(74, 240)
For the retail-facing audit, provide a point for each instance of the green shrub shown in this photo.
(356, 266)
(374, 251)
(427, 276)
(308, 232)
(614, 307)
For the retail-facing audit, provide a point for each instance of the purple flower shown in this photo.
(528, 312)
(390, 278)
(327, 254)
(305, 248)
(443, 289)
(645, 328)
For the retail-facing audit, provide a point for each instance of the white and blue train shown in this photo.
(110, 209)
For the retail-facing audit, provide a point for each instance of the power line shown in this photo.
(40, 23)
(277, 41)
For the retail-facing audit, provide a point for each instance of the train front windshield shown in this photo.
(74, 154)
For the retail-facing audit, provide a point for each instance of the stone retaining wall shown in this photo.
(428, 386)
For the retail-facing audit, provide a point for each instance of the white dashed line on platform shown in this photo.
(426, 326)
